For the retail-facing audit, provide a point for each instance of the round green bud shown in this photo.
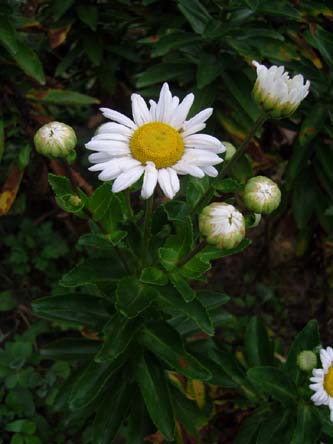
(230, 150)
(75, 200)
(307, 360)
(55, 140)
(222, 225)
(261, 195)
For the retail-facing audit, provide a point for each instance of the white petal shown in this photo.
(174, 180)
(165, 182)
(164, 104)
(210, 171)
(193, 129)
(149, 180)
(205, 142)
(99, 157)
(180, 113)
(127, 178)
(185, 168)
(199, 118)
(201, 157)
(152, 110)
(111, 127)
(141, 114)
(111, 136)
(118, 117)
(110, 147)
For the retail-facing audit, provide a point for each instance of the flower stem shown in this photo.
(192, 253)
(207, 196)
(147, 230)
(117, 250)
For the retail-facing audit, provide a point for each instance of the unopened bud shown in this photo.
(307, 360)
(55, 140)
(276, 93)
(75, 200)
(261, 195)
(222, 224)
(230, 151)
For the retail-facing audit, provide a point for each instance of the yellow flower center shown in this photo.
(328, 381)
(157, 142)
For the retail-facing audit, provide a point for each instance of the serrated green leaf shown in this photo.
(29, 62)
(100, 201)
(132, 297)
(107, 422)
(307, 430)
(258, 349)
(155, 392)
(91, 382)
(93, 271)
(61, 97)
(119, 332)
(273, 382)
(21, 426)
(8, 37)
(165, 343)
(307, 339)
(78, 309)
(168, 300)
(7, 301)
(88, 14)
(153, 276)
(68, 349)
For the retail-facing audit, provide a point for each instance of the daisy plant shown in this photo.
(142, 315)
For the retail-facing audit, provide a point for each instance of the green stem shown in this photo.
(147, 230)
(207, 196)
(192, 253)
(128, 201)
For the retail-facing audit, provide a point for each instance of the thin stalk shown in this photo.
(117, 250)
(147, 230)
(128, 201)
(207, 196)
(192, 253)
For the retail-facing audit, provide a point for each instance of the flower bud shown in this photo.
(230, 150)
(277, 93)
(307, 360)
(261, 195)
(222, 224)
(55, 140)
(75, 200)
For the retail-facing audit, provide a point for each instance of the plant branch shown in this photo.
(192, 253)
(146, 230)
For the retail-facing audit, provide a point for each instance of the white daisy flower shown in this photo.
(276, 92)
(322, 381)
(159, 143)
(222, 225)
